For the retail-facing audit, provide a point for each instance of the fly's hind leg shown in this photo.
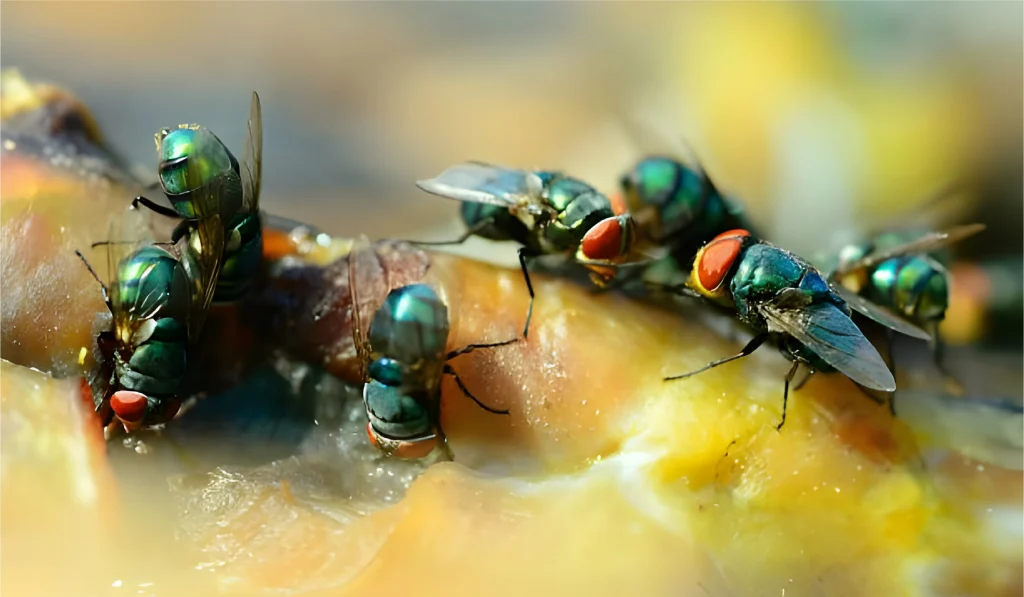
(785, 393)
(524, 255)
(471, 231)
(938, 352)
(747, 350)
(462, 386)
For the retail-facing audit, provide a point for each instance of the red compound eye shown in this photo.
(130, 407)
(607, 240)
(717, 257)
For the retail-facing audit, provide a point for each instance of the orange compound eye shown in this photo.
(717, 257)
(609, 239)
(130, 407)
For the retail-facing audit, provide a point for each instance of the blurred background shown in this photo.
(821, 119)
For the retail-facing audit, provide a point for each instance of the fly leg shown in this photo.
(938, 350)
(525, 254)
(103, 287)
(785, 393)
(471, 347)
(160, 209)
(471, 231)
(747, 350)
(449, 371)
(804, 379)
(104, 243)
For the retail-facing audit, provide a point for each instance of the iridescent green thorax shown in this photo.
(914, 285)
(243, 257)
(763, 271)
(407, 338)
(687, 210)
(151, 280)
(207, 155)
(580, 208)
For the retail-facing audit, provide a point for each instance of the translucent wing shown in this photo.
(252, 158)
(829, 333)
(118, 246)
(924, 244)
(205, 245)
(477, 182)
(880, 314)
(357, 256)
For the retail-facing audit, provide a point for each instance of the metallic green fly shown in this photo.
(547, 213)
(196, 166)
(781, 296)
(158, 299)
(403, 359)
(899, 281)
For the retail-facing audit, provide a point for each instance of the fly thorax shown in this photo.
(410, 326)
(191, 157)
(585, 211)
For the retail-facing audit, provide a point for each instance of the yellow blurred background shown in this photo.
(817, 117)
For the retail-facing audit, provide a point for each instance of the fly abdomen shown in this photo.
(493, 222)
(156, 366)
(914, 285)
(243, 256)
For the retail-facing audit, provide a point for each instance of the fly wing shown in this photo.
(880, 314)
(252, 158)
(357, 268)
(829, 333)
(924, 244)
(477, 182)
(205, 244)
(118, 246)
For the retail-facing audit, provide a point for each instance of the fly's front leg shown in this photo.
(462, 386)
(524, 255)
(160, 209)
